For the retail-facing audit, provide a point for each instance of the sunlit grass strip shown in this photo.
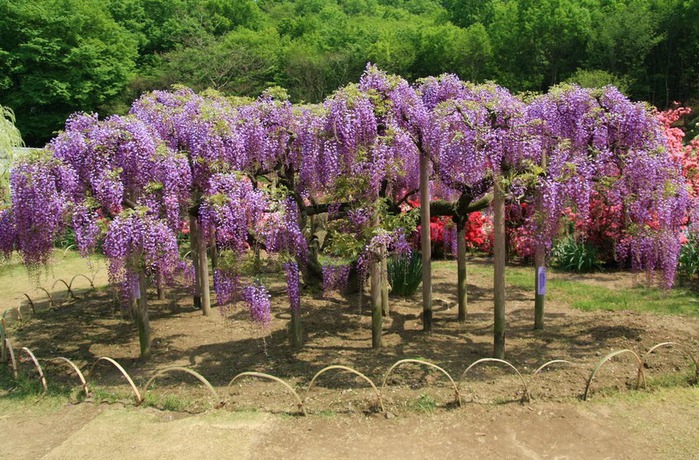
(585, 296)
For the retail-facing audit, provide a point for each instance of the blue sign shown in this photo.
(541, 277)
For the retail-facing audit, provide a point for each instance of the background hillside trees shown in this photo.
(62, 56)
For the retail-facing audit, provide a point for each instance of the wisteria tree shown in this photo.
(113, 179)
(599, 142)
(247, 175)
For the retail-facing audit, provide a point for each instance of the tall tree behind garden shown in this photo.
(57, 57)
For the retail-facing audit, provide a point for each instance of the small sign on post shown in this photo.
(541, 277)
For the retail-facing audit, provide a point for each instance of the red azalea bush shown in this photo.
(687, 155)
(479, 234)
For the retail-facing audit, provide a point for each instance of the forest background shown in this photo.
(62, 56)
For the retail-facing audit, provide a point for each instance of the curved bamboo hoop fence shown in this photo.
(91, 281)
(686, 352)
(379, 399)
(3, 345)
(457, 393)
(37, 366)
(198, 376)
(611, 355)
(70, 291)
(276, 379)
(126, 375)
(525, 395)
(51, 302)
(74, 368)
(31, 303)
(13, 360)
(540, 369)
(14, 309)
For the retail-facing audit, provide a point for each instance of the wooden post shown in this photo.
(3, 345)
(461, 267)
(385, 307)
(296, 329)
(376, 310)
(159, 286)
(540, 267)
(426, 244)
(194, 253)
(214, 252)
(141, 315)
(203, 272)
(499, 270)
(539, 286)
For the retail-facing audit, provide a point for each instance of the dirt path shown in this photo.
(658, 425)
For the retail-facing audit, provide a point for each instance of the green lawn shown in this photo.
(15, 279)
(582, 294)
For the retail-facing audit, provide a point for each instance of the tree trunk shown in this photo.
(425, 242)
(376, 310)
(203, 272)
(540, 265)
(499, 270)
(385, 307)
(214, 253)
(461, 267)
(141, 315)
(539, 286)
(194, 253)
(296, 329)
(3, 345)
(159, 286)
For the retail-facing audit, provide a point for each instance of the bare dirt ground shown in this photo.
(259, 418)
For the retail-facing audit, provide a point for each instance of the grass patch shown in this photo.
(674, 301)
(425, 404)
(168, 402)
(586, 296)
(16, 279)
(27, 391)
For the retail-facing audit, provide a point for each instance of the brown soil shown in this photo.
(423, 417)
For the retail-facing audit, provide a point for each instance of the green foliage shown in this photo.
(575, 256)
(10, 138)
(599, 79)
(405, 274)
(66, 239)
(425, 404)
(580, 293)
(240, 63)
(61, 56)
(689, 258)
(169, 402)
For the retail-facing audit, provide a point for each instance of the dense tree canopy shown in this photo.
(249, 173)
(61, 56)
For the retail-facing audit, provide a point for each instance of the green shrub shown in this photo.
(575, 256)
(689, 258)
(405, 274)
